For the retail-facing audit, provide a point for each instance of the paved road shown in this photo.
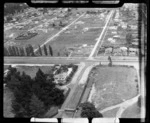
(108, 18)
(65, 60)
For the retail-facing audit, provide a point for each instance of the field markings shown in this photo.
(102, 33)
(51, 38)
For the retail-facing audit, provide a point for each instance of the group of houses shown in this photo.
(121, 51)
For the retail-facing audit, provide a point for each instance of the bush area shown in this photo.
(88, 110)
(32, 97)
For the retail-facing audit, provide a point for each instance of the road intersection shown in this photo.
(84, 63)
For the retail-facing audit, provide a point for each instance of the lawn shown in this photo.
(113, 85)
(7, 98)
(6, 67)
(110, 113)
(132, 112)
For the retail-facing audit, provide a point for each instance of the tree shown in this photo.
(89, 110)
(18, 109)
(128, 38)
(40, 51)
(110, 61)
(17, 51)
(27, 51)
(139, 101)
(45, 50)
(58, 96)
(13, 83)
(14, 51)
(6, 53)
(31, 50)
(36, 107)
(10, 51)
(58, 54)
(40, 77)
(50, 50)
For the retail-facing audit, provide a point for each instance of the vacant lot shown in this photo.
(113, 85)
(132, 112)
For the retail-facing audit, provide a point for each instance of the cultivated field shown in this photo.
(113, 85)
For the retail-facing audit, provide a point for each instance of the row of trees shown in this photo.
(27, 51)
(33, 97)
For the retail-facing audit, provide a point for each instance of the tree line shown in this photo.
(28, 51)
(33, 97)
(12, 8)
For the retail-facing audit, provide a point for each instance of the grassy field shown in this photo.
(7, 97)
(75, 37)
(110, 113)
(92, 21)
(5, 67)
(132, 112)
(113, 85)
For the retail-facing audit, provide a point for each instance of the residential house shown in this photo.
(108, 51)
(117, 52)
(61, 78)
(124, 50)
(133, 51)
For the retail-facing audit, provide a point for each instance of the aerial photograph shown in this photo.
(74, 62)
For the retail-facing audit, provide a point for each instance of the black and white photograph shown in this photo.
(74, 62)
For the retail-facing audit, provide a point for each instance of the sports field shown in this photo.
(113, 85)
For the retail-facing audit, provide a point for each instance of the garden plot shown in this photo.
(113, 85)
